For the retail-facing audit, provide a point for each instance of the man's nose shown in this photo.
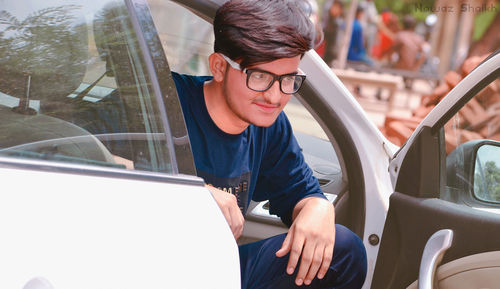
(273, 94)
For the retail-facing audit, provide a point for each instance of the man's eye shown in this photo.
(290, 78)
(259, 76)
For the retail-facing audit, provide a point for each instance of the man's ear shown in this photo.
(217, 66)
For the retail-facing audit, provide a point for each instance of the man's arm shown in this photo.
(294, 194)
(312, 236)
(229, 207)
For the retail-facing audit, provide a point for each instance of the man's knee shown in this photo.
(349, 256)
(349, 243)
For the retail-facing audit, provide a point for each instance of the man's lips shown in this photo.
(267, 107)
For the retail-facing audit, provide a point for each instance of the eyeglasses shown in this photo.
(260, 80)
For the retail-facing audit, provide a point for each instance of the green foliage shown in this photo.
(487, 182)
(39, 39)
(483, 20)
(419, 9)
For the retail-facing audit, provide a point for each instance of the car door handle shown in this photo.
(433, 254)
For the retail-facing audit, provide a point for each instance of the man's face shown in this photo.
(253, 107)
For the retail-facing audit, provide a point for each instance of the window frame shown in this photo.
(163, 87)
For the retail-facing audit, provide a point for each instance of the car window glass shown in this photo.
(465, 134)
(186, 38)
(74, 87)
(478, 119)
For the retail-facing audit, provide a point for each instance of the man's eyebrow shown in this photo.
(263, 70)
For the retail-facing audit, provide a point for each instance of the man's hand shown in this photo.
(311, 235)
(229, 206)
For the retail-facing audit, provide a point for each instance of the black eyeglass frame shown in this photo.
(275, 77)
(248, 72)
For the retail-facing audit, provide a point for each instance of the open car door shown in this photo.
(447, 179)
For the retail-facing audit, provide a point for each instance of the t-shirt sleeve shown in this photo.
(284, 177)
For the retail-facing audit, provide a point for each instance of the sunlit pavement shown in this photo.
(405, 101)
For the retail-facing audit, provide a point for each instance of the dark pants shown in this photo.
(260, 268)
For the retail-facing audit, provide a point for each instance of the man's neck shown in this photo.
(219, 111)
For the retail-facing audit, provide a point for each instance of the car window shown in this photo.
(186, 38)
(74, 87)
(478, 119)
(471, 140)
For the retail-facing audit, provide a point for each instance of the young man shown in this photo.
(243, 144)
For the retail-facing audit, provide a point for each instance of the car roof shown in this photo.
(203, 8)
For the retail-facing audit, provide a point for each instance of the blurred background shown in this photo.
(400, 58)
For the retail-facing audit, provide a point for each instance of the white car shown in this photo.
(99, 184)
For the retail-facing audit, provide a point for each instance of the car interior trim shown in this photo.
(410, 223)
(468, 272)
(419, 175)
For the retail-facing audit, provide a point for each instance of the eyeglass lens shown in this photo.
(261, 81)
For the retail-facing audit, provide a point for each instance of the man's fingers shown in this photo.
(237, 221)
(297, 243)
(285, 247)
(327, 260)
(315, 264)
(230, 220)
(305, 262)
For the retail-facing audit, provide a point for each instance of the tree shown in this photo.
(487, 181)
(49, 45)
(489, 41)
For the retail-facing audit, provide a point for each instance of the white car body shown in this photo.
(95, 231)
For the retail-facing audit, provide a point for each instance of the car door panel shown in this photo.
(411, 222)
(474, 271)
(416, 211)
(96, 227)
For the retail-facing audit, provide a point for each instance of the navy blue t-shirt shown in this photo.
(258, 164)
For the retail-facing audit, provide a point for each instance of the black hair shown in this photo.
(259, 31)
(409, 22)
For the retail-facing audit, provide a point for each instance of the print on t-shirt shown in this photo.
(237, 186)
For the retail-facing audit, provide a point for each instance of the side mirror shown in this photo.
(473, 172)
(487, 173)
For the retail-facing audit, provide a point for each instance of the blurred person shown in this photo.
(357, 51)
(369, 22)
(388, 27)
(332, 31)
(383, 49)
(244, 148)
(409, 47)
